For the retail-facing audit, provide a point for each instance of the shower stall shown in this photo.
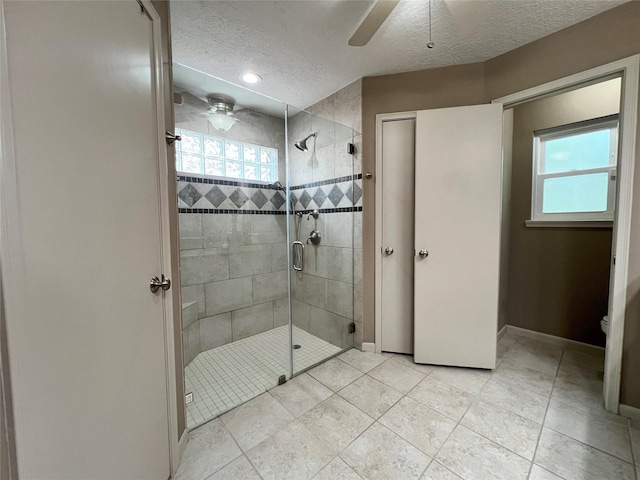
(266, 198)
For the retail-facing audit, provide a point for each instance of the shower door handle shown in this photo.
(298, 247)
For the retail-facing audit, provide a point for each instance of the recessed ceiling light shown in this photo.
(250, 78)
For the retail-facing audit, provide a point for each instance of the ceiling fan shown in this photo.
(217, 109)
(469, 15)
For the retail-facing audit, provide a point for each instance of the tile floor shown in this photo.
(360, 415)
(223, 378)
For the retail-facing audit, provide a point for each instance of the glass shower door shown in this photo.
(321, 187)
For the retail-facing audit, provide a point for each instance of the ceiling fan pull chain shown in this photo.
(430, 44)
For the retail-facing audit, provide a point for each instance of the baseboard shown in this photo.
(563, 342)
(182, 444)
(630, 412)
(502, 332)
(368, 347)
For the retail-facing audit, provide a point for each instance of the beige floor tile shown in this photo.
(337, 470)
(239, 469)
(516, 399)
(539, 473)
(603, 430)
(335, 374)
(363, 361)
(408, 360)
(441, 397)
(380, 454)
(525, 377)
(401, 377)
(507, 429)
(294, 453)
(370, 395)
(573, 460)
(300, 394)
(436, 471)
(533, 359)
(584, 396)
(634, 427)
(422, 427)
(256, 420)
(210, 448)
(336, 421)
(472, 456)
(470, 380)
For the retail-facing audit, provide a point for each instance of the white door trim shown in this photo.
(630, 69)
(165, 203)
(380, 119)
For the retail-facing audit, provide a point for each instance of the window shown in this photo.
(220, 157)
(574, 171)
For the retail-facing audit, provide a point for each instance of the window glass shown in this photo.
(576, 193)
(577, 152)
(209, 155)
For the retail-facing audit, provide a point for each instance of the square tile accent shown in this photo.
(305, 199)
(335, 195)
(319, 197)
(238, 197)
(259, 199)
(278, 200)
(215, 196)
(354, 193)
(189, 195)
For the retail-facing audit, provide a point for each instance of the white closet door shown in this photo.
(457, 221)
(398, 154)
(86, 336)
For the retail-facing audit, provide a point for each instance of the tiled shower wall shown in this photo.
(327, 296)
(233, 246)
(233, 264)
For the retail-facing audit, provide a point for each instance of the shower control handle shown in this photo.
(423, 253)
(388, 251)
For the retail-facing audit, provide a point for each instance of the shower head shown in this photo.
(302, 144)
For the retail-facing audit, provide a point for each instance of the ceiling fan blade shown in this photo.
(469, 15)
(372, 22)
(190, 99)
(189, 117)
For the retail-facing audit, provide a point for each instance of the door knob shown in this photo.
(388, 251)
(423, 253)
(156, 284)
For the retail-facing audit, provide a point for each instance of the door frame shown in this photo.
(629, 68)
(166, 203)
(10, 241)
(381, 118)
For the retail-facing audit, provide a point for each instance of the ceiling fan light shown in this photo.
(251, 78)
(222, 121)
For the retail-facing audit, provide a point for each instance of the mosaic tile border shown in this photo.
(263, 212)
(208, 195)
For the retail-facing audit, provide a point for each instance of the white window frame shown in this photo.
(540, 137)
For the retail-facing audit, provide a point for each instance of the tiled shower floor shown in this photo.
(225, 377)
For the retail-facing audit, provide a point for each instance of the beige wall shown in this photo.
(558, 277)
(604, 38)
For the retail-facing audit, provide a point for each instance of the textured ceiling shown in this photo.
(300, 46)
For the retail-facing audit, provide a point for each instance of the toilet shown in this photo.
(604, 324)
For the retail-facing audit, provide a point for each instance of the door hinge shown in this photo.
(351, 328)
(188, 398)
(282, 379)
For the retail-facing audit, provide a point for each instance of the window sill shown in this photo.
(568, 223)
